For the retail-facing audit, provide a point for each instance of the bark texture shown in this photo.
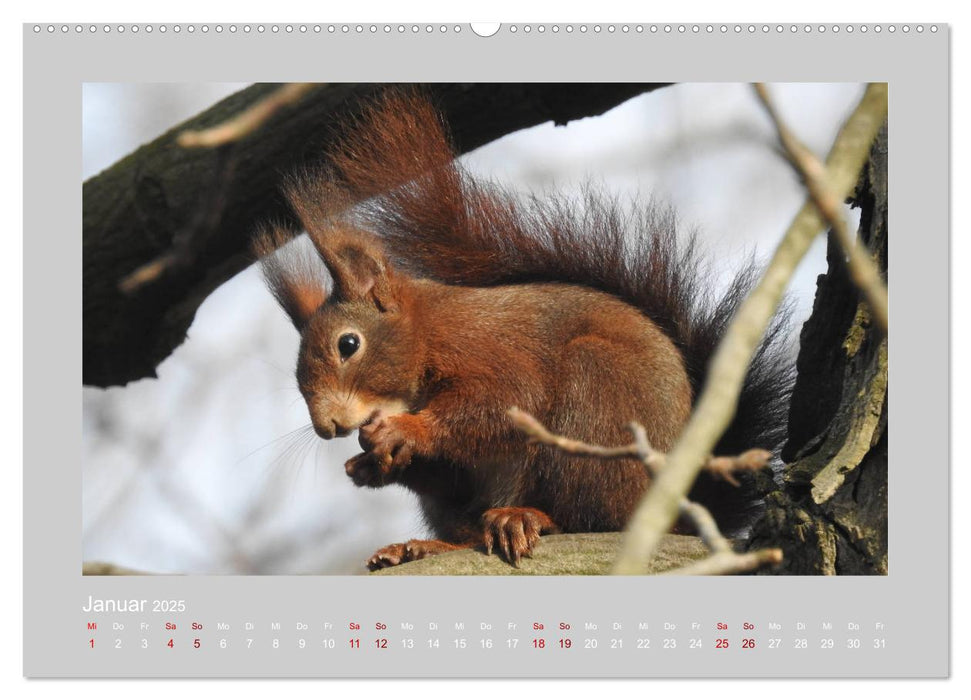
(830, 515)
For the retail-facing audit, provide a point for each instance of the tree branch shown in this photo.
(248, 121)
(716, 405)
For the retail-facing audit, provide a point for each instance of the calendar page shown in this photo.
(486, 350)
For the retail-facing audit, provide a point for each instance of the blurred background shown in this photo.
(206, 470)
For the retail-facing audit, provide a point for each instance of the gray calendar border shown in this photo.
(914, 600)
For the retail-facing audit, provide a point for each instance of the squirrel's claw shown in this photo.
(387, 450)
(366, 470)
(385, 438)
(412, 550)
(392, 555)
(514, 531)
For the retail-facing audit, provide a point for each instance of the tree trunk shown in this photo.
(830, 515)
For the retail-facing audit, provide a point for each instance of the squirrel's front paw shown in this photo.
(391, 440)
(515, 531)
(366, 470)
(412, 550)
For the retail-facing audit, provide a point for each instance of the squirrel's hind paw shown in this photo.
(412, 550)
(515, 531)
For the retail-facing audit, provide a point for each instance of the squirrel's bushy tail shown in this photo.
(395, 175)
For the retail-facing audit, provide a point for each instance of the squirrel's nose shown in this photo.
(325, 429)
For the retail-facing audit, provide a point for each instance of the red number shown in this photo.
(566, 643)
(748, 644)
(196, 643)
(539, 643)
(721, 643)
(171, 644)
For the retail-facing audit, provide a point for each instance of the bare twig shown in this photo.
(749, 461)
(721, 467)
(722, 563)
(723, 559)
(700, 516)
(863, 270)
(247, 121)
(706, 526)
(715, 407)
(537, 432)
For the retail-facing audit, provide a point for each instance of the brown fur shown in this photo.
(466, 303)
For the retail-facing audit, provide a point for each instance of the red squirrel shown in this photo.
(452, 300)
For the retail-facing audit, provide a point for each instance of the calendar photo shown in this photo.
(465, 328)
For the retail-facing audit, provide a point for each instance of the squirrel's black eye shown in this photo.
(348, 344)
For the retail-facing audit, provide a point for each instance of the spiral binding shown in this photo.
(519, 29)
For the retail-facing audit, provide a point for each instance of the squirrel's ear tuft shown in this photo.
(355, 258)
(358, 266)
(293, 272)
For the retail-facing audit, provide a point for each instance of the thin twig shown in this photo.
(701, 517)
(749, 461)
(706, 526)
(715, 407)
(537, 432)
(722, 563)
(247, 121)
(863, 270)
(721, 467)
